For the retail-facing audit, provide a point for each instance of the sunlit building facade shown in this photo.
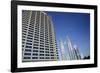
(73, 51)
(38, 37)
(69, 51)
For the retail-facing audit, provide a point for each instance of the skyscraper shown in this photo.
(70, 49)
(38, 37)
(77, 53)
(63, 55)
(73, 51)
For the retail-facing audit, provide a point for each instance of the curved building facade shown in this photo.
(38, 37)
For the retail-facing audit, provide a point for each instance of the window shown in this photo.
(47, 58)
(42, 48)
(57, 52)
(46, 54)
(35, 47)
(29, 38)
(35, 50)
(52, 54)
(30, 35)
(52, 57)
(46, 51)
(26, 57)
(41, 57)
(41, 45)
(41, 51)
(41, 35)
(23, 42)
(29, 43)
(23, 39)
(31, 25)
(51, 49)
(35, 54)
(23, 36)
(35, 44)
(27, 53)
(34, 57)
(41, 40)
(30, 30)
(46, 42)
(36, 39)
(41, 54)
(22, 45)
(37, 31)
(47, 46)
(36, 34)
(24, 31)
(28, 46)
(28, 50)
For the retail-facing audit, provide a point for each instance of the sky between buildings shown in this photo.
(74, 25)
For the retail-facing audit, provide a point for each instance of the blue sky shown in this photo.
(74, 25)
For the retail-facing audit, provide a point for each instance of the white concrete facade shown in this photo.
(38, 37)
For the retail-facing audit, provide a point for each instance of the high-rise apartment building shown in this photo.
(38, 37)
